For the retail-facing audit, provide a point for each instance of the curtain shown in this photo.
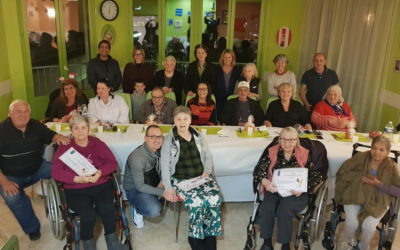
(356, 37)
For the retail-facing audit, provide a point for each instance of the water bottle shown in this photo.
(350, 132)
(388, 130)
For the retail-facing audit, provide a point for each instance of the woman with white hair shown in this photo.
(250, 75)
(332, 113)
(169, 79)
(280, 75)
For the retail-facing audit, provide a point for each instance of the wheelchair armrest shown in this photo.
(317, 187)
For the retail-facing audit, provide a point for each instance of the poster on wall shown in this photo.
(108, 33)
(178, 24)
(284, 37)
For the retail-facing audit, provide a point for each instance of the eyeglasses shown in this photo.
(155, 137)
(157, 97)
(288, 140)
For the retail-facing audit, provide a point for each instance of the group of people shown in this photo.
(217, 94)
(365, 184)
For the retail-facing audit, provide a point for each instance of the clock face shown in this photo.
(109, 10)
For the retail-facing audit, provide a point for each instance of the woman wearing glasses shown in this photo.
(137, 69)
(203, 106)
(287, 153)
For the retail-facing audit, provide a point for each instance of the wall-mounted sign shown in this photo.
(283, 37)
(108, 33)
(178, 24)
(178, 12)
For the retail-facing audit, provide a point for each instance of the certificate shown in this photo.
(187, 185)
(290, 179)
(77, 162)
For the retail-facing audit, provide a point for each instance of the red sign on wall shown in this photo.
(283, 37)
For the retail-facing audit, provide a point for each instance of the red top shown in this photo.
(201, 113)
(324, 117)
(96, 152)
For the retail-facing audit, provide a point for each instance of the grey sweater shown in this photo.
(147, 108)
(170, 151)
(141, 160)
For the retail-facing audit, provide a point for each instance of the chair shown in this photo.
(170, 95)
(128, 100)
(271, 99)
(11, 244)
(312, 217)
(387, 227)
(65, 223)
(191, 97)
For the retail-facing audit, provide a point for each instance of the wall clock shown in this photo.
(109, 10)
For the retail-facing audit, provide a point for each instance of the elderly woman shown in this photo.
(137, 69)
(287, 153)
(185, 155)
(202, 106)
(285, 111)
(201, 70)
(332, 113)
(70, 98)
(227, 73)
(280, 75)
(107, 107)
(91, 194)
(365, 185)
(250, 75)
(169, 79)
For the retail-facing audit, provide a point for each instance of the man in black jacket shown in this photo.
(237, 110)
(104, 67)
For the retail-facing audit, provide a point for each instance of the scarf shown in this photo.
(337, 108)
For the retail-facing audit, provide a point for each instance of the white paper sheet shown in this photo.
(77, 162)
(192, 183)
(290, 179)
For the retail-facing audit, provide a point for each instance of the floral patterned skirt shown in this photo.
(204, 204)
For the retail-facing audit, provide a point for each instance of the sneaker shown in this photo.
(35, 235)
(137, 219)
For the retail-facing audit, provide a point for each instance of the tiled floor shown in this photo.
(157, 234)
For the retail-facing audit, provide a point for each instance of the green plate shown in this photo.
(123, 129)
(256, 133)
(339, 136)
(210, 130)
(165, 128)
(64, 127)
(309, 136)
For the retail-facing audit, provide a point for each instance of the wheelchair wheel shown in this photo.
(55, 215)
(317, 221)
(251, 240)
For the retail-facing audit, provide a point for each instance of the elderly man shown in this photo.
(157, 110)
(316, 81)
(142, 177)
(21, 144)
(104, 67)
(237, 110)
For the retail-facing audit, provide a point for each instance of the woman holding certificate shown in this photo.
(287, 153)
(185, 155)
(92, 194)
(365, 185)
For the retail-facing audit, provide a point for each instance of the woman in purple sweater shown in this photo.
(89, 195)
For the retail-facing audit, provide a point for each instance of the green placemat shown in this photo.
(339, 136)
(210, 130)
(164, 128)
(123, 129)
(256, 133)
(64, 127)
(309, 136)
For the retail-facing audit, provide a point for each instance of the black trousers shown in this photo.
(284, 209)
(88, 202)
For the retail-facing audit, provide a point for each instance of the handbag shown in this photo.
(151, 177)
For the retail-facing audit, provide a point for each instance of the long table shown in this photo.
(234, 157)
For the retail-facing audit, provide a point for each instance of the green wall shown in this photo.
(390, 113)
(171, 6)
(148, 7)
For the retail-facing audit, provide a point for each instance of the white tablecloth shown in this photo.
(234, 157)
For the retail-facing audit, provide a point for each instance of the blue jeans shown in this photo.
(145, 204)
(20, 204)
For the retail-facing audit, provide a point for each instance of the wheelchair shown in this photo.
(387, 226)
(65, 223)
(311, 219)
